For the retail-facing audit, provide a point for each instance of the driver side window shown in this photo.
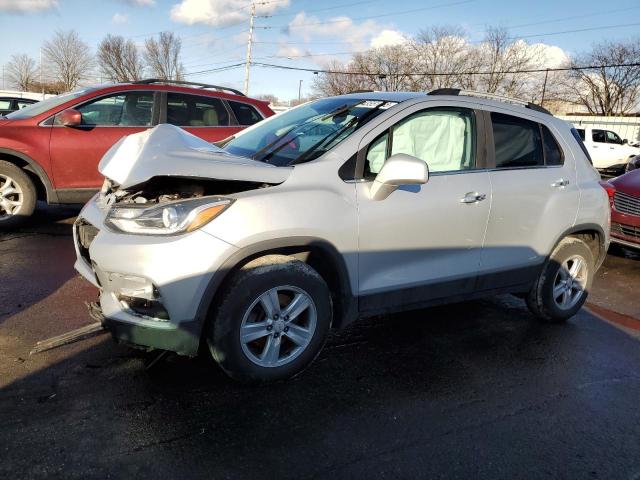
(443, 138)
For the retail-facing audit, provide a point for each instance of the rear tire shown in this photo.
(564, 282)
(285, 305)
(17, 195)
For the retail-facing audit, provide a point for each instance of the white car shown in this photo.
(608, 151)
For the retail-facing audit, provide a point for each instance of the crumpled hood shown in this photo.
(167, 150)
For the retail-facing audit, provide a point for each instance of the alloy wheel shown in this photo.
(11, 197)
(278, 326)
(569, 284)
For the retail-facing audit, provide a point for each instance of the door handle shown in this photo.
(473, 197)
(560, 183)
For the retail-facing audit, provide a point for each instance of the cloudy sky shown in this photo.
(306, 33)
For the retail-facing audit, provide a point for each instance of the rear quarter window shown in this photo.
(579, 140)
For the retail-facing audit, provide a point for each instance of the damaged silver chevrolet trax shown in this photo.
(343, 207)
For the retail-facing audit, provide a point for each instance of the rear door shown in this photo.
(206, 117)
(76, 151)
(535, 199)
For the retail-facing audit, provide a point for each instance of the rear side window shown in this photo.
(552, 152)
(245, 113)
(195, 111)
(518, 142)
(5, 104)
(580, 132)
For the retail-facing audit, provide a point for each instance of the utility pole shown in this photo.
(299, 92)
(247, 65)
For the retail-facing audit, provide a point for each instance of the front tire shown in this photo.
(17, 195)
(564, 282)
(272, 320)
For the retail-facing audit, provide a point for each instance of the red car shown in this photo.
(50, 150)
(624, 195)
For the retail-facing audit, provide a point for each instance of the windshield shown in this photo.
(48, 104)
(306, 132)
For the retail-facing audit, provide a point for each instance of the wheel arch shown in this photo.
(44, 187)
(319, 254)
(592, 234)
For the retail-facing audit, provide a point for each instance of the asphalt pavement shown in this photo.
(473, 390)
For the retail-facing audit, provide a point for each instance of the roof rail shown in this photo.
(490, 96)
(148, 81)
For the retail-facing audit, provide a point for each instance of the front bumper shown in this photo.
(625, 229)
(173, 272)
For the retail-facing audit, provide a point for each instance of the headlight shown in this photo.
(166, 219)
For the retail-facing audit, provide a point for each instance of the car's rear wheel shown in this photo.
(17, 195)
(564, 282)
(272, 320)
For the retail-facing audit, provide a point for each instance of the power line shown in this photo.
(404, 12)
(443, 74)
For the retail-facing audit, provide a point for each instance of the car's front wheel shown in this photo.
(564, 282)
(17, 195)
(272, 320)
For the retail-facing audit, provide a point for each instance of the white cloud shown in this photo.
(120, 18)
(140, 3)
(553, 57)
(388, 37)
(220, 12)
(289, 51)
(27, 6)
(343, 28)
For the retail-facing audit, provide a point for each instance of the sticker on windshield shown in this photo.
(376, 104)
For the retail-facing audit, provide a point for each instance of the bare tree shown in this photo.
(612, 90)
(68, 58)
(344, 80)
(119, 59)
(444, 50)
(500, 57)
(163, 56)
(21, 71)
(386, 68)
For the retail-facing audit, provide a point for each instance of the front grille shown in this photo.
(85, 232)
(626, 203)
(619, 229)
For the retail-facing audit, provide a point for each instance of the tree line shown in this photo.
(67, 61)
(443, 57)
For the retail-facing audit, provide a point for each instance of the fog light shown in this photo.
(132, 286)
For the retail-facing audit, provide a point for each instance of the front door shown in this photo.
(424, 242)
(76, 151)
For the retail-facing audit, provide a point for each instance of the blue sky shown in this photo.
(214, 31)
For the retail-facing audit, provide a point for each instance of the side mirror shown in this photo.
(70, 117)
(625, 141)
(399, 169)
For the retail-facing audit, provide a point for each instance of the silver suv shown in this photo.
(343, 207)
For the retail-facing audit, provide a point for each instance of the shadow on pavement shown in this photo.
(476, 389)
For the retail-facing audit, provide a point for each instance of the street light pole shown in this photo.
(300, 92)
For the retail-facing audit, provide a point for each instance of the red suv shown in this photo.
(624, 196)
(50, 150)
